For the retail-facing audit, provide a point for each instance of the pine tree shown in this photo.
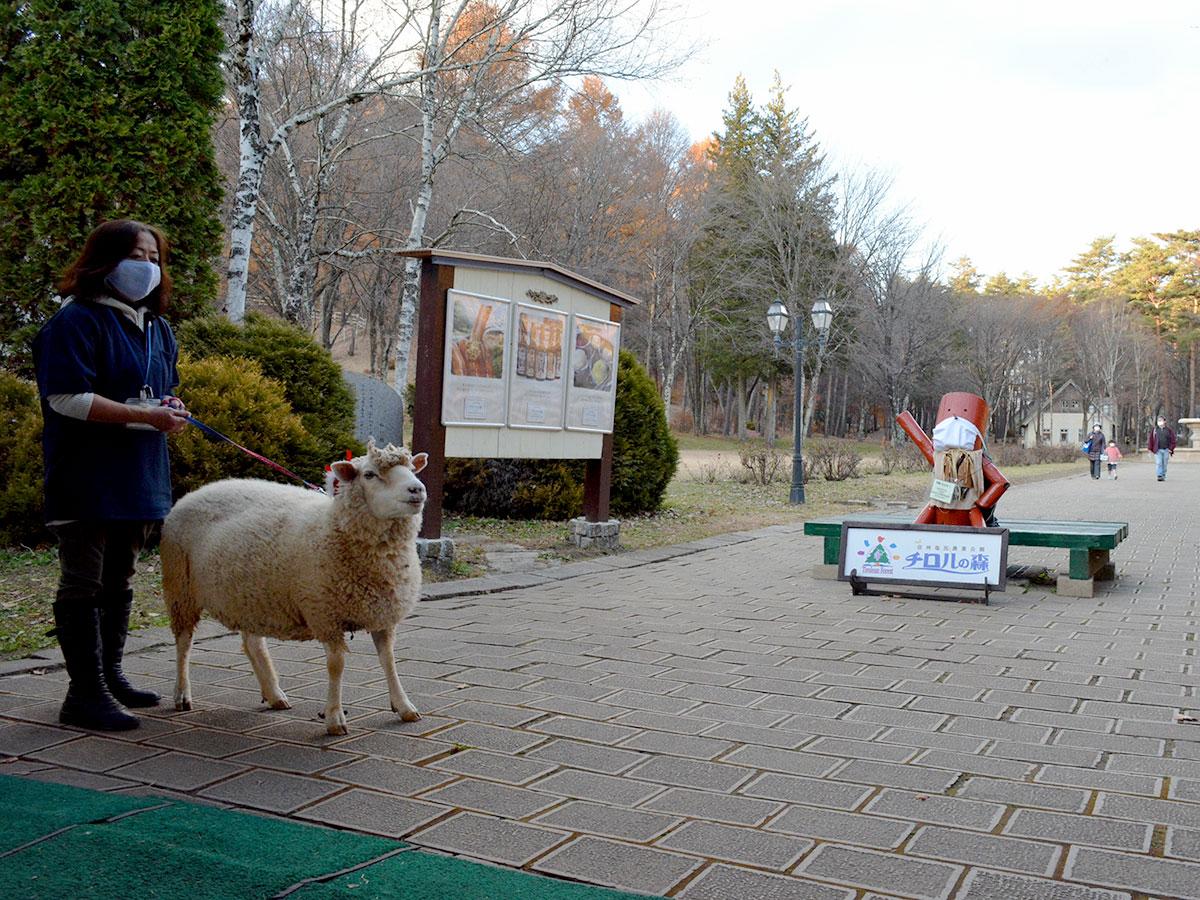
(965, 278)
(108, 108)
(1090, 275)
(736, 152)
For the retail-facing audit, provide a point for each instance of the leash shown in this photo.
(216, 435)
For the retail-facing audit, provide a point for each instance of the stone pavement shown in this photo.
(710, 722)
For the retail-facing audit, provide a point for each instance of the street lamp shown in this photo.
(777, 320)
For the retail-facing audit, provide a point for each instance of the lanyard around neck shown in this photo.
(149, 349)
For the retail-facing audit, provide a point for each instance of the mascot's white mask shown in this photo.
(955, 433)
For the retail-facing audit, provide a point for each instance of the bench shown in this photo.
(1089, 544)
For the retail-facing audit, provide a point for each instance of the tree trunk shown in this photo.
(843, 425)
(1193, 409)
(251, 158)
(740, 387)
(772, 425)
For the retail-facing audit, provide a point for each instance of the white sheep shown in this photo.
(271, 560)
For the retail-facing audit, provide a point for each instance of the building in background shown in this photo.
(1062, 418)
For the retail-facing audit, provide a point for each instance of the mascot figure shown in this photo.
(966, 485)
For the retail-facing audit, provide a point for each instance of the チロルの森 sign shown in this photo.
(927, 555)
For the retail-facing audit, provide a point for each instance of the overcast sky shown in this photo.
(1018, 130)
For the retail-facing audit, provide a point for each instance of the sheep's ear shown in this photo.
(345, 471)
(420, 461)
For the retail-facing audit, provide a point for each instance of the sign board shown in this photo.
(924, 555)
(484, 322)
(475, 382)
(592, 386)
(539, 366)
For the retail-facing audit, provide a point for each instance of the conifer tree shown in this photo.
(108, 107)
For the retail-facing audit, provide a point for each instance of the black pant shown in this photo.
(97, 559)
(1096, 468)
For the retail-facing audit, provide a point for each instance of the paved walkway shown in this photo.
(719, 725)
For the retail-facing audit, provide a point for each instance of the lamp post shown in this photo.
(777, 319)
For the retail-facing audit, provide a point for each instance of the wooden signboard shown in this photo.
(515, 359)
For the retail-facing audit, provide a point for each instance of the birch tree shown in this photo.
(459, 65)
(479, 58)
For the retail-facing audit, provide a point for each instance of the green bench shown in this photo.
(1089, 544)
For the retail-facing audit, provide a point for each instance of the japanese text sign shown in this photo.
(935, 555)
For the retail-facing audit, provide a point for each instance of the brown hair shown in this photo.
(106, 246)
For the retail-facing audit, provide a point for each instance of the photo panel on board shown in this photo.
(475, 376)
(592, 379)
(539, 368)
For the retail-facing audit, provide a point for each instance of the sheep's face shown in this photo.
(387, 480)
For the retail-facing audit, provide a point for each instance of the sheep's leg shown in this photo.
(183, 685)
(255, 646)
(400, 703)
(335, 662)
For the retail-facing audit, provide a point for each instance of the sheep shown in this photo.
(271, 560)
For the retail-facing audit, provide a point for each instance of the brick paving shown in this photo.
(708, 721)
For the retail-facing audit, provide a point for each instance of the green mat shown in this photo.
(31, 809)
(191, 852)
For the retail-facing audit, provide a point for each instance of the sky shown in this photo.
(1017, 131)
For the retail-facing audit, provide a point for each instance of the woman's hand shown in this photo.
(165, 418)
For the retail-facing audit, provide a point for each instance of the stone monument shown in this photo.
(1191, 453)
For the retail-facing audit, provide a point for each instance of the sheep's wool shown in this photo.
(290, 563)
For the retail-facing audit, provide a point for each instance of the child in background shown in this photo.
(1114, 457)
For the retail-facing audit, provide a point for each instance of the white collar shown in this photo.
(135, 314)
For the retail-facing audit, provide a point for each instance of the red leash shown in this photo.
(213, 433)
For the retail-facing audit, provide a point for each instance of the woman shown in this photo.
(1096, 448)
(105, 369)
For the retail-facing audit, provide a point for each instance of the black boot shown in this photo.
(114, 627)
(88, 703)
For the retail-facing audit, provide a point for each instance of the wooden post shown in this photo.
(597, 479)
(429, 434)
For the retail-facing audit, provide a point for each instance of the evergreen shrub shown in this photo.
(233, 396)
(108, 113)
(645, 454)
(645, 457)
(21, 520)
(312, 382)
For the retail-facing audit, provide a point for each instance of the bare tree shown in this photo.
(1101, 332)
(992, 337)
(478, 59)
(456, 62)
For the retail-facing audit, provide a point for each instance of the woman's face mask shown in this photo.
(134, 279)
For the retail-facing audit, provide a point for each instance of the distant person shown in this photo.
(1095, 448)
(106, 368)
(1162, 445)
(1114, 457)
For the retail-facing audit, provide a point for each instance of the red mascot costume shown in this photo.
(966, 485)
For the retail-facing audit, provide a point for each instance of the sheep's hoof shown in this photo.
(280, 703)
(183, 705)
(336, 729)
(410, 715)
